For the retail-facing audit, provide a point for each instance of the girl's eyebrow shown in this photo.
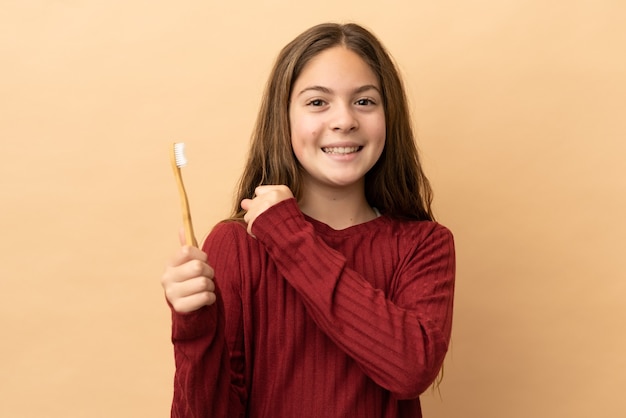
(367, 87)
(326, 90)
(321, 89)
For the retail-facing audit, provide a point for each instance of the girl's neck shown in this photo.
(337, 208)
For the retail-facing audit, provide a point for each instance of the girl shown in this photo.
(329, 292)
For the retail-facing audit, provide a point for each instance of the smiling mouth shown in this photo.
(341, 150)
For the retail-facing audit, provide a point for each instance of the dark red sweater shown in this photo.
(315, 322)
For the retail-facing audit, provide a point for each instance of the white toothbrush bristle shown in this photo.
(179, 154)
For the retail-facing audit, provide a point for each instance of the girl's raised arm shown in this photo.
(399, 336)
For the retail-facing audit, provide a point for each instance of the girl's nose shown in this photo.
(344, 119)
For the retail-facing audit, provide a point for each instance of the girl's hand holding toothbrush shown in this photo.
(188, 279)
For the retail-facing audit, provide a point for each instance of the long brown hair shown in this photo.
(396, 185)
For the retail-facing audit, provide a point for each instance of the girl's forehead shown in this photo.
(337, 66)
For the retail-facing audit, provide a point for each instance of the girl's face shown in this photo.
(337, 119)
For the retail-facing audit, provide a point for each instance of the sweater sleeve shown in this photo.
(208, 379)
(400, 339)
(201, 377)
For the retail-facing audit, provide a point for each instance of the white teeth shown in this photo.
(340, 150)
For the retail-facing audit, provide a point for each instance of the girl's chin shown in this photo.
(340, 182)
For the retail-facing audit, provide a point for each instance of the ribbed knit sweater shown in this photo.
(316, 322)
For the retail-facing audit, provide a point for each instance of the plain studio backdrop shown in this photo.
(520, 111)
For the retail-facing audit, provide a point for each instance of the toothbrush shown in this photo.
(178, 161)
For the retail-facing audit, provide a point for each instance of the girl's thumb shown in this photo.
(181, 236)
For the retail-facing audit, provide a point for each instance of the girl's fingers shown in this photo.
(193, 302)
(188, 271)
(189, 295)
(185, 254)
(261, 190)
(179, 290)
(265, 197)
(188, 279)
(245, 204)
(195, 268)
(181, 236)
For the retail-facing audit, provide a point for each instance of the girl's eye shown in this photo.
(365, 102)
(316, 102)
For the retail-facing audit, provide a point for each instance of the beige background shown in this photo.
(520, 108)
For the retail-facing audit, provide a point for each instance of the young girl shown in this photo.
(329, 293)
